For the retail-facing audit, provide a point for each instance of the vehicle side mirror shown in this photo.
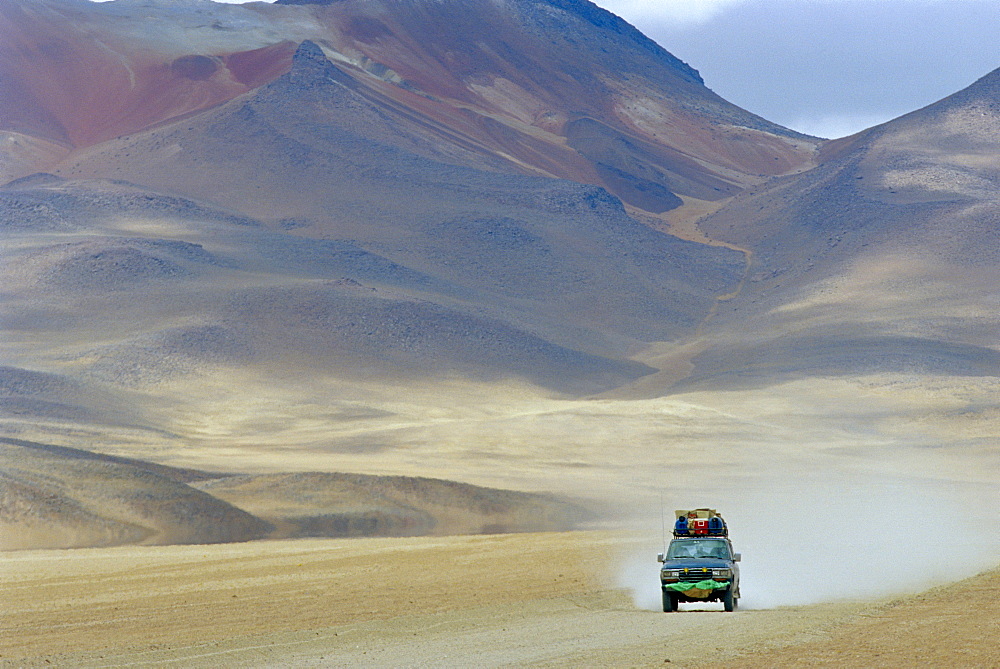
(660, 557)
(736, 557)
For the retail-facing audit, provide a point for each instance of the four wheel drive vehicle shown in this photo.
(700, 565)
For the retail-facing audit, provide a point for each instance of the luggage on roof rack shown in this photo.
(699, 523)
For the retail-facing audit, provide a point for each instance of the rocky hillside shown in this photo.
(882, 259)
(556, 87)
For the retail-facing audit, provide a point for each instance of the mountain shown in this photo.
(511, 242)
(883, 258)
(76, 73)
(556, 88)
(360, 212)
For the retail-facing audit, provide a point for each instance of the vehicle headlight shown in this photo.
(670, 574)
(722, 573)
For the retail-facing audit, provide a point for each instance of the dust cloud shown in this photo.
(831, 537)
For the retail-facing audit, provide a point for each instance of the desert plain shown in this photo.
(865, 520)
(506, 600)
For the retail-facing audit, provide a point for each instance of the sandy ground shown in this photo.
(857, 489)
(485, 601)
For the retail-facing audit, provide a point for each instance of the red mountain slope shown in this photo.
(75, 73)
(560, 88)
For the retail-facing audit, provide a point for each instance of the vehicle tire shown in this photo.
(729, 600)
(669, 602)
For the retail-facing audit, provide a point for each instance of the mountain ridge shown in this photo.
(498, 101)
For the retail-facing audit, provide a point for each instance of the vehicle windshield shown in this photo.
(698, 548)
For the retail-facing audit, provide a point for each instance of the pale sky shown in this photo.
(825, 67)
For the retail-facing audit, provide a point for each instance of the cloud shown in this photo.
(678, 12)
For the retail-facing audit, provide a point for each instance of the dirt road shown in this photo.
(509, 600)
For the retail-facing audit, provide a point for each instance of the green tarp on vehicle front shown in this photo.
(699, 589)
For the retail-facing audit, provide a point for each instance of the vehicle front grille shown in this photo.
(695, 575)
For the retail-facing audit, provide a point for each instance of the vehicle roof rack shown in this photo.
(699, 523)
